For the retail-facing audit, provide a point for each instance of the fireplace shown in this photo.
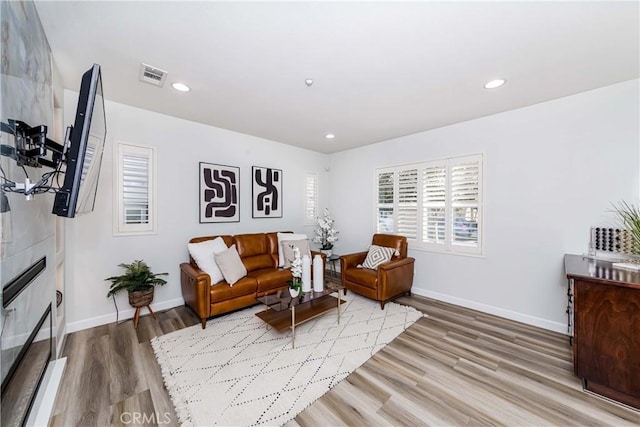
(27, 346)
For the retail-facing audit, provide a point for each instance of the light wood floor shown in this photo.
(455, 367)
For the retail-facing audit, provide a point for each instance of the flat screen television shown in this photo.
(83, 154)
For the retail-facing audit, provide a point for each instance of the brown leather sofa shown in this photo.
(390, 280)
(259, 254)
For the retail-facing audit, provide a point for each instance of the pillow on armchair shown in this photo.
(378, 255)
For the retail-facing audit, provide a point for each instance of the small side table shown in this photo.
(331, 264)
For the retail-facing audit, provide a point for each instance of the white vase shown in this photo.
(318, 274)
(327, 252)
(294, 292)
(306, 273)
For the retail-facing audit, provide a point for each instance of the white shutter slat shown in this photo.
(310, 198)
(434, 191)
(134, 212)
(384, 210)
(135, 177)
(407, 216)
(464, 203)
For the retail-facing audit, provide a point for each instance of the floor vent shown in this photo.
(152, 75)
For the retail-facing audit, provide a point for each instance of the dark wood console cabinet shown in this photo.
(606, 328)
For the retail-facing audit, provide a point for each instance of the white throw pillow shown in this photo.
(378, 255)
(287, 250)
(203, 253)
(287, 236)
(231, 265)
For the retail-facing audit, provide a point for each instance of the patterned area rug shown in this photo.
(239, 372)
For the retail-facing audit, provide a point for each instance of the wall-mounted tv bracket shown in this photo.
(31, 145)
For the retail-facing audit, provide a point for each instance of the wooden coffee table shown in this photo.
(284, 312)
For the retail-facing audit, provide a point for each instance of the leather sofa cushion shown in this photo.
(270, 278)
(222, 291)
(251, 244)
(258, 262)
(362, 276)
(272, 243)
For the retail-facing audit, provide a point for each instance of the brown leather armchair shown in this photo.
(390, 280)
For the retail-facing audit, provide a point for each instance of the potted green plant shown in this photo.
(138, 281)
(629, 216)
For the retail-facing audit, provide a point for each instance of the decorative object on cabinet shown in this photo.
(610, 241)
(266, 192)
(219, 193)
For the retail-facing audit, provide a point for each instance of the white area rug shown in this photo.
(236, 372)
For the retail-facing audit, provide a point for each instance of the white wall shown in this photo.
(93, 253)
(551, 171)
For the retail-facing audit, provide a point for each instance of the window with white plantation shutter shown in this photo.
(135, 209)
(385, 202)
(434, 186)
(407, 212)
(310, 198)
(465, 197)
(436, 205)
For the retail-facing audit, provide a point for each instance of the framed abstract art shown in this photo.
(267, 192)
(219, 193)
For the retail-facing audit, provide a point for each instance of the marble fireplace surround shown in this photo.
(26, 348)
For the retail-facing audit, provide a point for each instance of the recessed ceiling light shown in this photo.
(308, 82)
(181, 87)
(329, 136)
(494, 83)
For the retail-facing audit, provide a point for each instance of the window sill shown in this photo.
(134, 233)
(464, 254)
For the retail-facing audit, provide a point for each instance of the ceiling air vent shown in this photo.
(152, 75)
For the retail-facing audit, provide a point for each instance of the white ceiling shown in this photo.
(381, 70)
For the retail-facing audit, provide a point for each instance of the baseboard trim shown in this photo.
(62, 337)
(124, 314)
(485, 308)
(46, 397)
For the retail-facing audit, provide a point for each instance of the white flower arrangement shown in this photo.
(296, 263)
(296, 270)
(326, 235)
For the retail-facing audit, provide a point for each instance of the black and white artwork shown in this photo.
(219, 193)
(267, 192)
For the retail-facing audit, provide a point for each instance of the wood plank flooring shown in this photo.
(456, 367)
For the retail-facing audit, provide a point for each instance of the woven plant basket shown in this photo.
(141, 298)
